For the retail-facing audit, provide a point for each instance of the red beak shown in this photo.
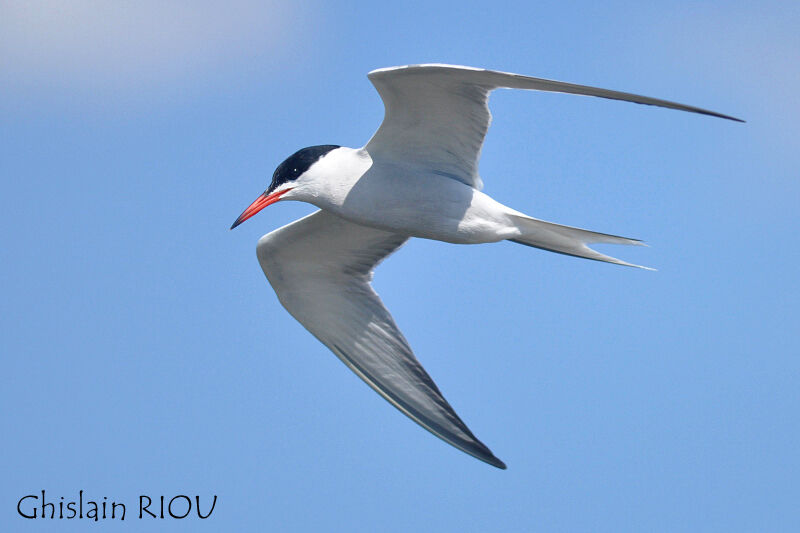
(261, 202)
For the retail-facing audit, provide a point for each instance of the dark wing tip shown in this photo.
(479, 451)
(720, 115)
(496, 462)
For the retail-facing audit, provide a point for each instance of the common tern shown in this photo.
(416, 177)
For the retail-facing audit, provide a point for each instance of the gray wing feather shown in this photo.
(321, 267)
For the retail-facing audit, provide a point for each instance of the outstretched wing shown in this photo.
(321, 268)
(437, 115)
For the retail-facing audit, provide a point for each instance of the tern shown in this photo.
(416, 177)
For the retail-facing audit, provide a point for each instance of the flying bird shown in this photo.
(416, 177)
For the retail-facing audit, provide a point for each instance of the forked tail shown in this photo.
(568, 240)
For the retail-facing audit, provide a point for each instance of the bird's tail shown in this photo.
(568, 240)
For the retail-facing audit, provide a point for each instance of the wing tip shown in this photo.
(477, 449)
(720, 115)
(482, 454)
(494, 461)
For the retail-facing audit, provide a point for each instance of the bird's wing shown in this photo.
(321, 268)
(436, 116)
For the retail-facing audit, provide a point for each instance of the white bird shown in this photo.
(416, 177)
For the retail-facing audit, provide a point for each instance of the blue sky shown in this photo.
(143, 351)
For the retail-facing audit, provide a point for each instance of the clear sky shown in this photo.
(144, 353)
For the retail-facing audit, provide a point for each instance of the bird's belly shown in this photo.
(429, 207)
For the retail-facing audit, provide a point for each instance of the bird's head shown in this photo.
(290, 180)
